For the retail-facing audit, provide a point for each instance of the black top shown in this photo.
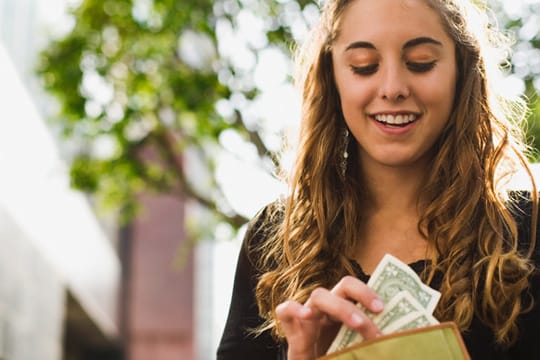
(238, 343)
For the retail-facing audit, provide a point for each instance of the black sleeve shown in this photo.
(527, 346)
(528, 343)
(237, 341)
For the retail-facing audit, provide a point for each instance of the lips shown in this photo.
(396, 120)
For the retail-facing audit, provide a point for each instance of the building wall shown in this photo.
(32, 298)
(57, 267)
(159, 314)
(19, 33)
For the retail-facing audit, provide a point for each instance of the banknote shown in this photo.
(400, 306)
(392, 276)
(390, 280)
(412, 321)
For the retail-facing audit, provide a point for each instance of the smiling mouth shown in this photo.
(397, 121)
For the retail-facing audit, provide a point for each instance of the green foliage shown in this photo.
(533, 121)
(123, 77)
(525, 30)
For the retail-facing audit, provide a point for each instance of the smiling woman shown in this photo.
(404, 148)
(396, 86)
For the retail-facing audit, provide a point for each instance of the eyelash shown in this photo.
(365, 70)
(421, 67)
(417, 67)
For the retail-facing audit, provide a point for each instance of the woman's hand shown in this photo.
(311, 327)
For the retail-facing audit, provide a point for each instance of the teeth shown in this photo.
(396, 120)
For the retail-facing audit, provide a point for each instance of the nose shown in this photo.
(394, 84)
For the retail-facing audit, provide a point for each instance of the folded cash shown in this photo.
(409, 303)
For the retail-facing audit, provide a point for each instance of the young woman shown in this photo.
(404, 149)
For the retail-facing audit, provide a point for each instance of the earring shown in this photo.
(344, 153)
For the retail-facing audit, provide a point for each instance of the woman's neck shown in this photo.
(391, 218)
(392, 189)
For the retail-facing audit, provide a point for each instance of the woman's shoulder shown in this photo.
(265, 220)
(521, 206)
(261, 228)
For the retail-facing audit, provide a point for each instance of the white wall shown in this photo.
(34, 189)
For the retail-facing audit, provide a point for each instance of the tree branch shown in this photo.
(167, 147)
(256, 140)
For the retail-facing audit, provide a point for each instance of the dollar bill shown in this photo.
(390, 278)
(412, 321)
(402, 305)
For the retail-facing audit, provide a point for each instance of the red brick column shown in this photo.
(159, 313)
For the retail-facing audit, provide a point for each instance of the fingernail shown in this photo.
(305, 312)
(377, 305)
(356, 319)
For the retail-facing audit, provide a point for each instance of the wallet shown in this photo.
(440, 342)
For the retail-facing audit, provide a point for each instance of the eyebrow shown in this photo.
(420, 41)
(409, 44)
(360, 45)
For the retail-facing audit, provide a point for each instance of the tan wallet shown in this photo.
(438, 342)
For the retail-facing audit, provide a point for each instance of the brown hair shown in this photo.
(467, 221)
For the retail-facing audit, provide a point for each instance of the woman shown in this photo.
(404, 149)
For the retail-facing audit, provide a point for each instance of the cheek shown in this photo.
(354, 93)
(447, 83)
(440, 97)
(439, 91)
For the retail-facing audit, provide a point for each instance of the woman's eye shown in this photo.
(365, 70)
(421, 67)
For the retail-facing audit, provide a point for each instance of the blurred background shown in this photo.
(137, 137)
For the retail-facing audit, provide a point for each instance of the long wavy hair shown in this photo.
(470, 228)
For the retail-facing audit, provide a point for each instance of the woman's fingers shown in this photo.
(356, 290)
(301, 328)
(306, 326)
(344, 311)
(291, 310)
(337, 305)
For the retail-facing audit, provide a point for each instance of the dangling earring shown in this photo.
(344, 153)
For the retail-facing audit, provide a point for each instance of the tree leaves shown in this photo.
(149, 76)
(144, 74)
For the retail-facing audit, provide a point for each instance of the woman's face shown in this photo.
(395, 71)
